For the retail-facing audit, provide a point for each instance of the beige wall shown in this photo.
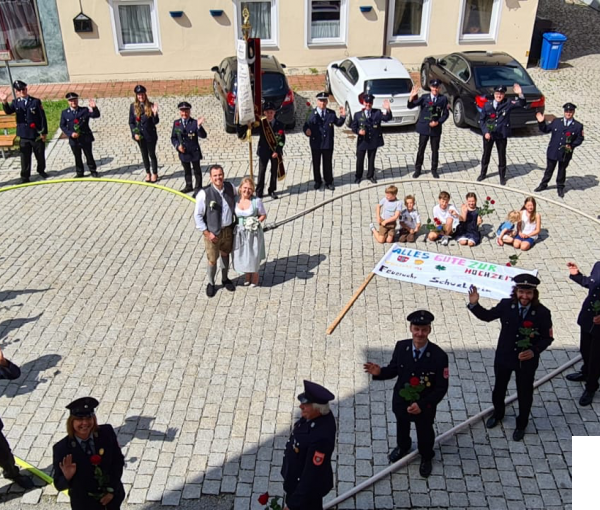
(191, 45)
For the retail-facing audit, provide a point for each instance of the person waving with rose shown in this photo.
(88, 462)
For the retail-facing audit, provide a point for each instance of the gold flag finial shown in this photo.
(246, 26)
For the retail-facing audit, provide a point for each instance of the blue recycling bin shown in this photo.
(552, 46)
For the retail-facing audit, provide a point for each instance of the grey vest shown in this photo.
(212, 217)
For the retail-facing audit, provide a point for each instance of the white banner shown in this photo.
(244, 102)
(448, 272)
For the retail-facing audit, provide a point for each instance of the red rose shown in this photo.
(138, 119)
(95, 460)
(488, 198)
(178, 123)
(492, 202)
(527, 324)
(32, 125)
(493, 116)
(430, 103)
(307, 103)
(281, 131)
(263, 499)
(414, 381)
(568, 133)
(508, 264)
(76, 121)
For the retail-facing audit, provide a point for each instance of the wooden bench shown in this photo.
(7, 141)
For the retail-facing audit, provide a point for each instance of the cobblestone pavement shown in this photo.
(102, 293)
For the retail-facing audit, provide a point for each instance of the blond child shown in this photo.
(449, 217)
(508, 229)
(410, 221)
(386, 214)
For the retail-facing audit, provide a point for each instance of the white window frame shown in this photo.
(476, 38)
(423, 37)
(273, 42)
(342, 40)
(120, 47)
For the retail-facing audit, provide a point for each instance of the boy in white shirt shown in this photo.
(410, 221)
(386, 214)
(448, 215)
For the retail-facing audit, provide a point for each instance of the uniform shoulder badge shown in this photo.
(318, 458)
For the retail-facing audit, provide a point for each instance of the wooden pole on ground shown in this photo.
(349, 304)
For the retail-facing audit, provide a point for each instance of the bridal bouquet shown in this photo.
(252, 224)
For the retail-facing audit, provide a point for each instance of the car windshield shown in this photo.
(508, 75)
(274, 84)
(388, 86)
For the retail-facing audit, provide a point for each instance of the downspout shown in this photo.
(386, 16)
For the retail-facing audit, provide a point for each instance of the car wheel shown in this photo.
(348, 115)
(458, 113)
(327, 83)
(424, 78)
(228, 128)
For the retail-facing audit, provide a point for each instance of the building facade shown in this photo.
(167, 39)
(32, 32)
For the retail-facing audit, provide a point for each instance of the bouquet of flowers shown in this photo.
(263, 499)
(101, 478)
(413, 388)
(435, 225)
(252, 224)
(485, 210)
(137, 129)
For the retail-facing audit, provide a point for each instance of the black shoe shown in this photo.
(587, 398)
(518, 435)
(396, 454)
(187, 189)
(228, 284)
(492, 422)
(576, 377)
(43, 175)
(541, 187)
(373, 180)
(196, 191)
(481, 177)
(425, 468)
(94, 173)
(330, 187)
(502, 180)
(561, 192)
(435, 174)
(23, 481)
(25, 181)
(211, 290)
(416, 174)
(357, 180)
(318, 185)
(273, 195)
(79, 176)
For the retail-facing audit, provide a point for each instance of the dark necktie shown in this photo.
(323, 115)
(417, 354)
(87, 447)
(522, 312)
(434, 97)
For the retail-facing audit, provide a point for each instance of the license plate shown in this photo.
(398, 119)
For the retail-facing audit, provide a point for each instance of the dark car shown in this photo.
(275, 88)
(469, 77)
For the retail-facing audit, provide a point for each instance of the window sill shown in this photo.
(332, 43)
(408, 40)
(135, 51)
(482, 39)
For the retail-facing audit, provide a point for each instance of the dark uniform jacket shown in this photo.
(80, 117)
(372, 125)
(11, 371)
(321, 130)
(496, 121)
(188, 137)
(263, 150)
(31, 118)
(430, 111)
(146, 125)
(84, 481)
(431, 368)
(507, 352)
(306, 466)
(591, 282)
(562, 135)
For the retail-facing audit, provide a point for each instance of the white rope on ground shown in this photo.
(404, 461)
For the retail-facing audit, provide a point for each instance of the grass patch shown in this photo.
(53, 110)
(314, 70)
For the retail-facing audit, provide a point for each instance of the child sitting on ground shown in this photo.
(386, 214)
(508, 229)
(410, 221)
(447, 214)
(468, 228)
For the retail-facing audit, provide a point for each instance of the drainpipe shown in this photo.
(386, 17)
